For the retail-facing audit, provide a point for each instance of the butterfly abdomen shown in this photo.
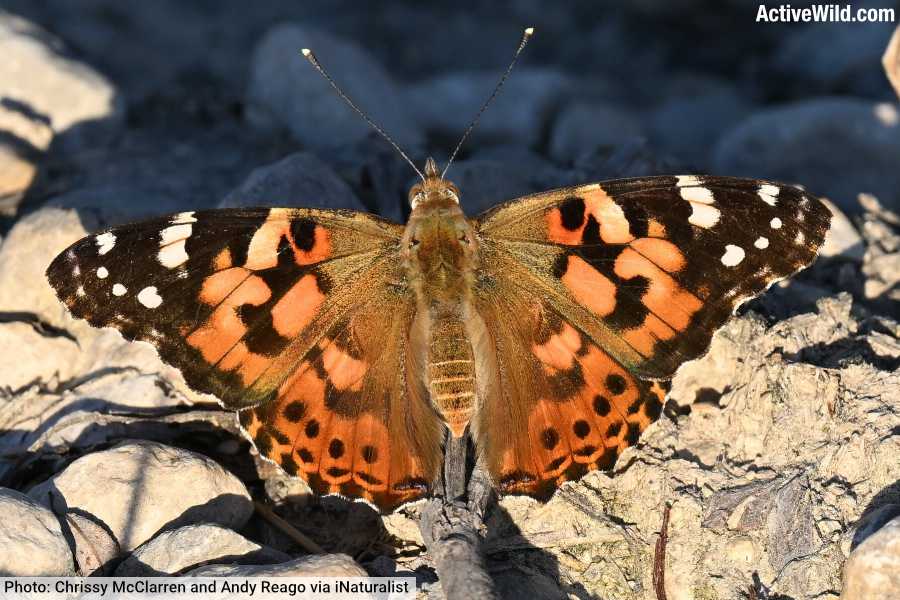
(451, 370)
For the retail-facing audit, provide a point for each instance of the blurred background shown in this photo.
(139, 108)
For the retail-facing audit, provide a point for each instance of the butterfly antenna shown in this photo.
(525, 37)
(308, 54)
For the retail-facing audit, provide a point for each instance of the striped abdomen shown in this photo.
(451, 371)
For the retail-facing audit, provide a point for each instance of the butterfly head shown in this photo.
(434, 189)
(439, 245)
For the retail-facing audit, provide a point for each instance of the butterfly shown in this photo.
(547, 328)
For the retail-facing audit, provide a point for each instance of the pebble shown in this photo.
(788, 143)
(139, 488)
(299, 179)
(285, 91)
(842, 239)
(45, 94)
(172, 552)
(31, 538)
(322, 565)
(873, 569)
(96, 551)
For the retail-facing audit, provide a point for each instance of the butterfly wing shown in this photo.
(615, 285)
(273, 309)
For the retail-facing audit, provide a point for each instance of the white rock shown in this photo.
(31, 539)
(95, 548)
(873, 569)
(45, 93)
(842, 238)
(285, 90)
(324, 565)
(891, 60)
(138, 488)
(171, 552)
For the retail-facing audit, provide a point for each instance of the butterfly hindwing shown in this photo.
(650, 267)
(613, 286)
(276, 309)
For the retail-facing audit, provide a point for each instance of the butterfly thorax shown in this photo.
(440, 254)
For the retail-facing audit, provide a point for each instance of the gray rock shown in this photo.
(873, 569)
(31, 538)
(44, 93)
(692, 116)
(484, 183)
(285, 91)
(789, 144)
(300, 179)
(833, 58)
(323, 565)
(172, 552)
(872, 522)
(138, 488)
(445, 104)
(583, 127)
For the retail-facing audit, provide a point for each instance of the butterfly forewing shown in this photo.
(659, 263)
(279, 309)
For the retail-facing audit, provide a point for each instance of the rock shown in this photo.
(95, 548)
(581, 128)
(692, 116)
(284, 90)
(881, 263)
(323, 565)
(445, 104)
(298, 180)
(891, 61)
(484, 183)
(44, 94)
(138, 488)
(842, 239)
(870, 523)
(172, 552)
(786, 144)
(873, 569)
(833, 58)
(31, 538)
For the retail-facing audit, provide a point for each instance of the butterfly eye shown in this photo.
(413, 243)
(463, 238)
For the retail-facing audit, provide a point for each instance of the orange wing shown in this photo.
(300, 314)
(560, 405)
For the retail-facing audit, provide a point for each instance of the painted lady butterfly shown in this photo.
(547, 328)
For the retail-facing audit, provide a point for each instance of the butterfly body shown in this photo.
(546, 328)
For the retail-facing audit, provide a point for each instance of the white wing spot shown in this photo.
(172, 252)
(775, 223)
(733, 255)
(697, 194)
(704, 215)
(800, 239)
(149, 297)
(102, 273)
(761, 243)
(687, 180)
(79, 291)
(119, 290)
(105, 242)
(76, 271)
(769, 193)
(172, 255)
(184, 217)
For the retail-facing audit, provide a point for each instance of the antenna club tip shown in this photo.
(306, 52)
(529, 31)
